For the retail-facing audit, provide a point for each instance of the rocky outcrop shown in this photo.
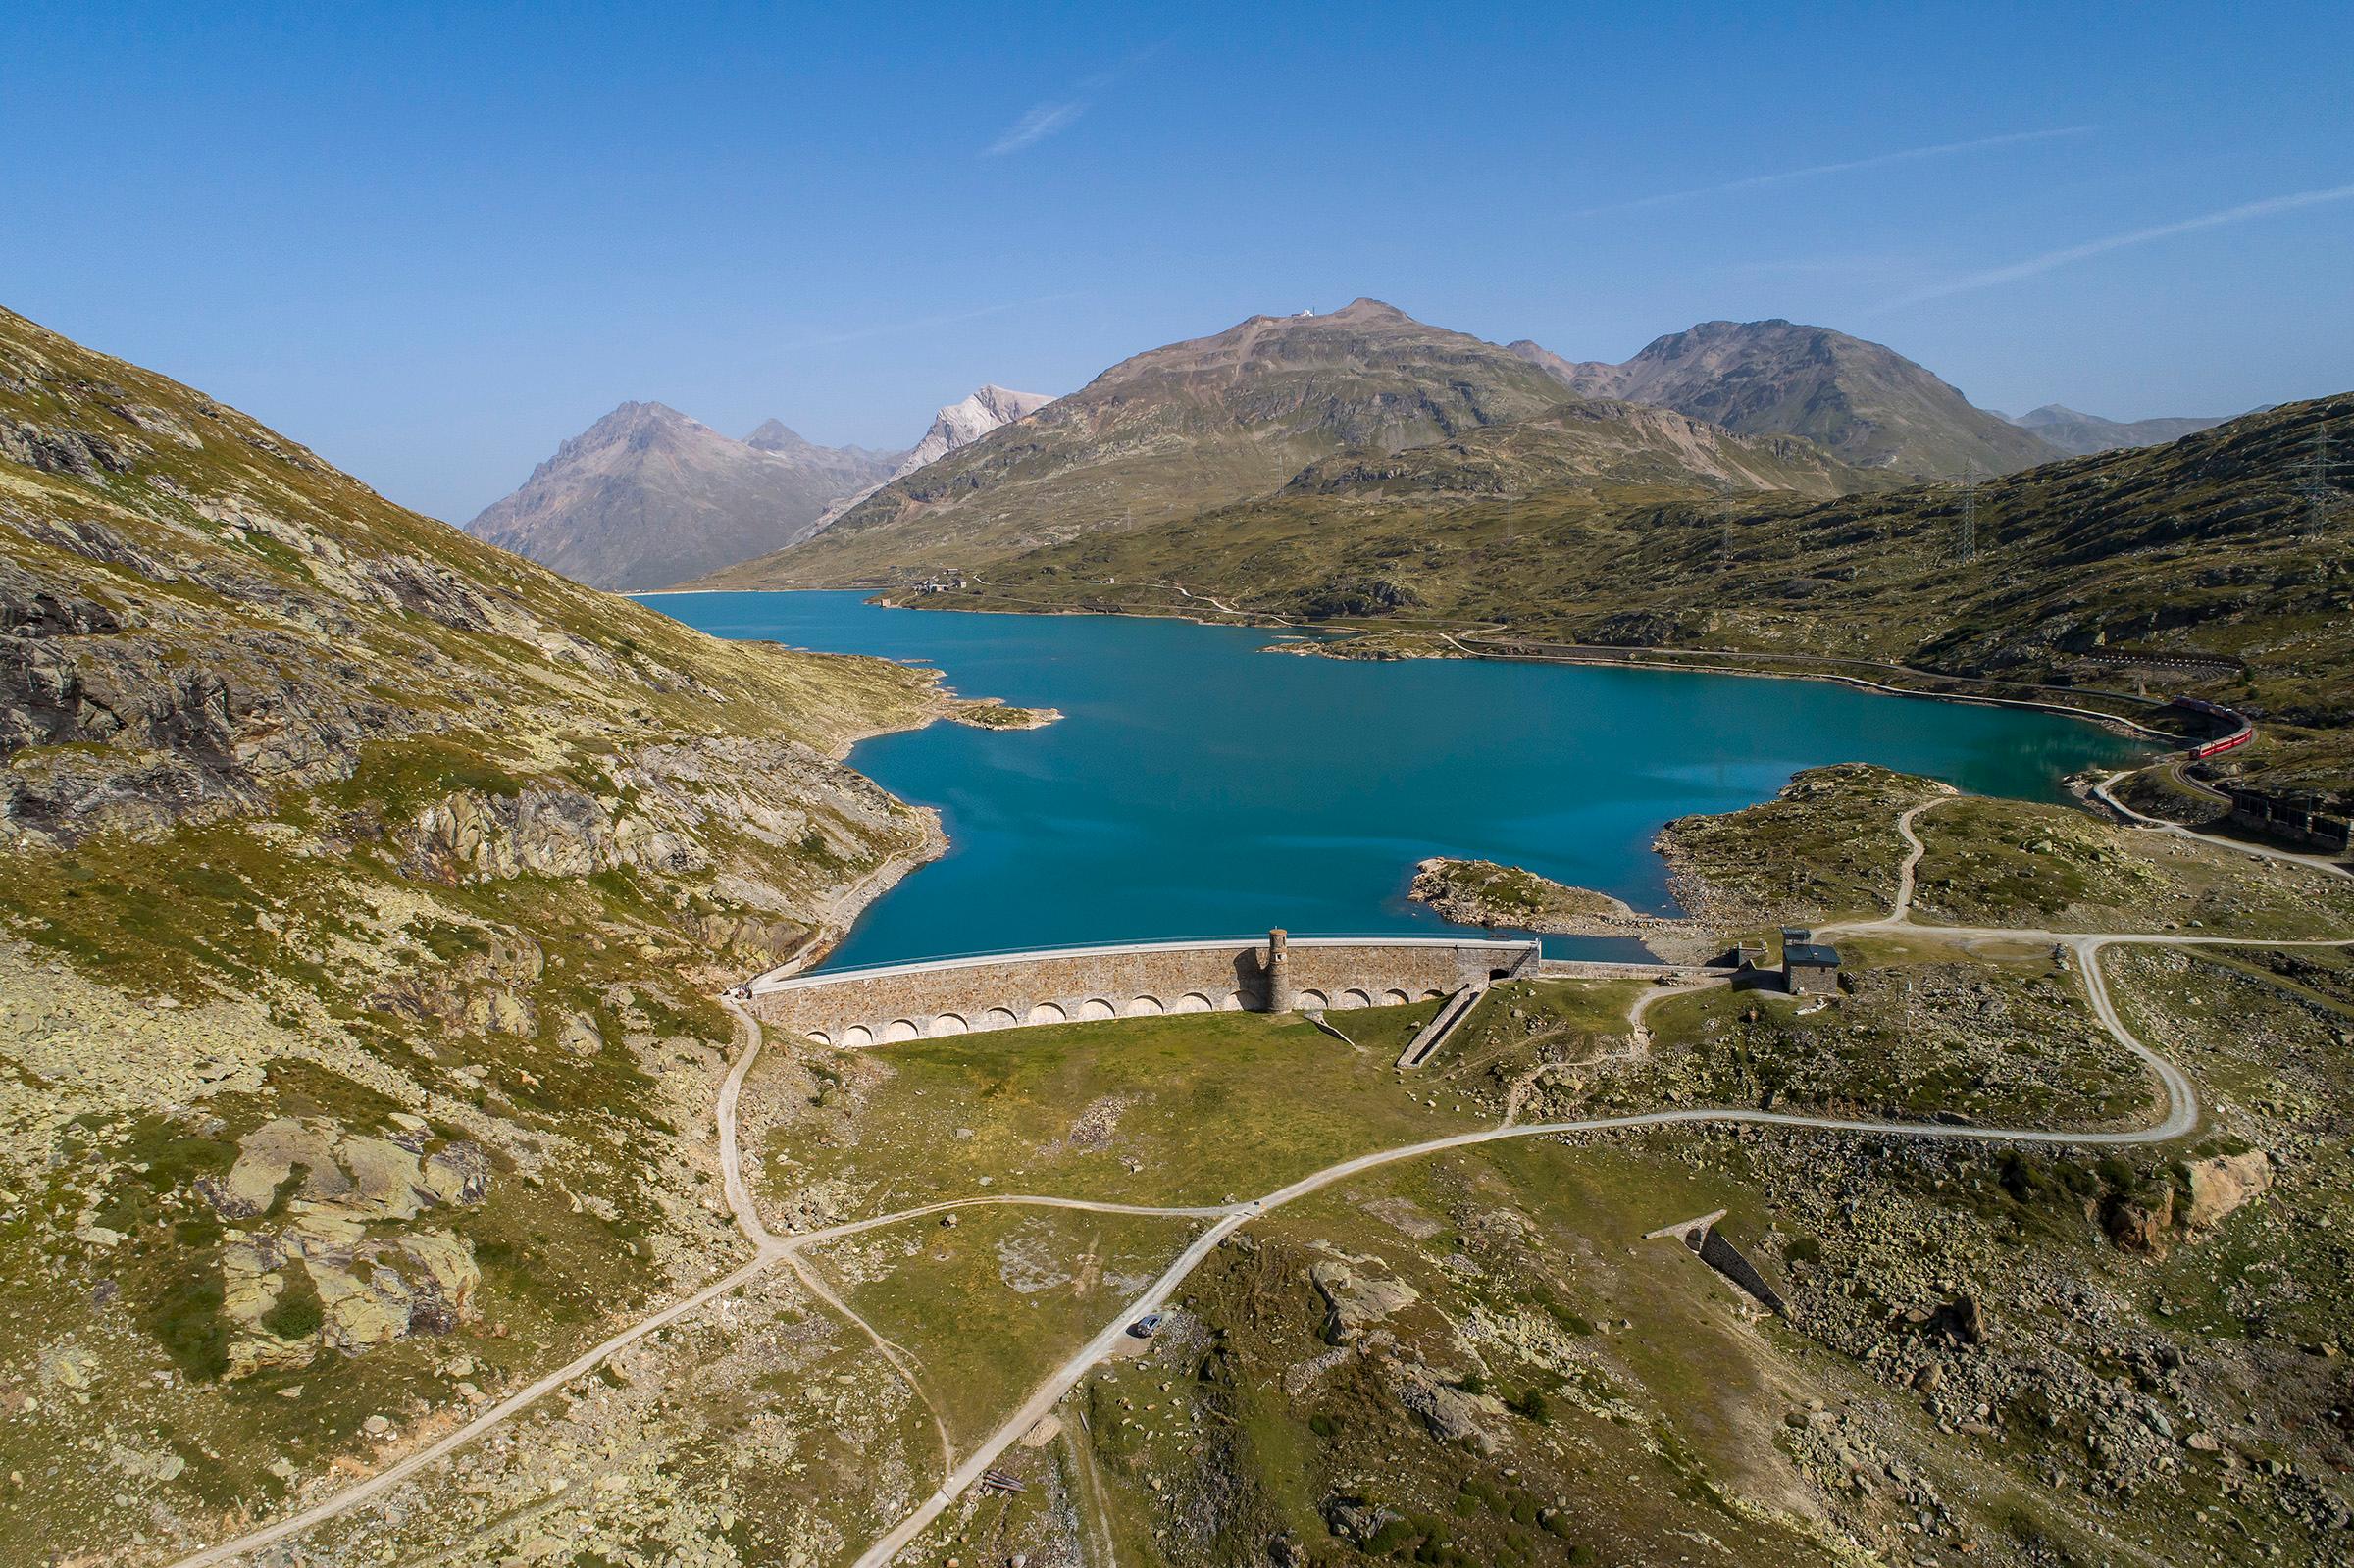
(1451, 1414)
(2141, 1221)
(338, 1263)
(488, 991)
(1355, 1298)
(82, 454)
(1481, 892)
(542, 833)
(664, 797)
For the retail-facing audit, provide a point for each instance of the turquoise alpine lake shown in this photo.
(1199, 786)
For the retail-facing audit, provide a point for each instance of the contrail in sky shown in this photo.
(1813, 171)
(1054, 115)
(2247, 212)
(1036, 123)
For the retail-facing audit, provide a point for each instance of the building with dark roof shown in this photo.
(1808, 968)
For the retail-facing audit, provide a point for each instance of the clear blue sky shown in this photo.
(431, 243)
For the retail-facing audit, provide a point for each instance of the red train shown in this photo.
(2241, 732)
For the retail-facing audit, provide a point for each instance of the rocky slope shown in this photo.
(1173, 431)
(1863, 402)
(2082, 434)
(362, 889)
(646, 497)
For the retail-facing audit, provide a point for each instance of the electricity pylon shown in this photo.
(1967, 545)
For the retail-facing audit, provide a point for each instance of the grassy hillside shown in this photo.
(2102, 571)
(360, 887)
(1583, 442)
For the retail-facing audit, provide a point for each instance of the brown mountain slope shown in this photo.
(1170, 432)
(647, 496)
(1860, 401)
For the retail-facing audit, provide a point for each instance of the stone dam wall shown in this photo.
(893, 1002)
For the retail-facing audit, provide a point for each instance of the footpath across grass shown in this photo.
(991, 1304)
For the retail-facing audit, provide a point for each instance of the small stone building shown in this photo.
(1808, 968)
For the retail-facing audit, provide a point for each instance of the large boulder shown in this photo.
(2221, 1184)
(1451, 1414)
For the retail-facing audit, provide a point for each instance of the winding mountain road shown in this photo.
(769, 1250)
(2142, 820)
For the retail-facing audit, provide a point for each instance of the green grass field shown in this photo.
(989, 1306)
(1190, 1109)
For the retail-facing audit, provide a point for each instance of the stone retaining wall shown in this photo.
(881, 1006)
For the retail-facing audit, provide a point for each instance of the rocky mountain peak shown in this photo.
(775, 435)
(648, 496)
(961, 423)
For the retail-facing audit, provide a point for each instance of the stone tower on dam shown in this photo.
(1279, 971)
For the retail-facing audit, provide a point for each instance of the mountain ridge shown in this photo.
(1862, 401)
(1194, 423)
(647, 495)
(2081, 435)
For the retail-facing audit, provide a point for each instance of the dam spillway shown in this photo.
(887, 1003)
